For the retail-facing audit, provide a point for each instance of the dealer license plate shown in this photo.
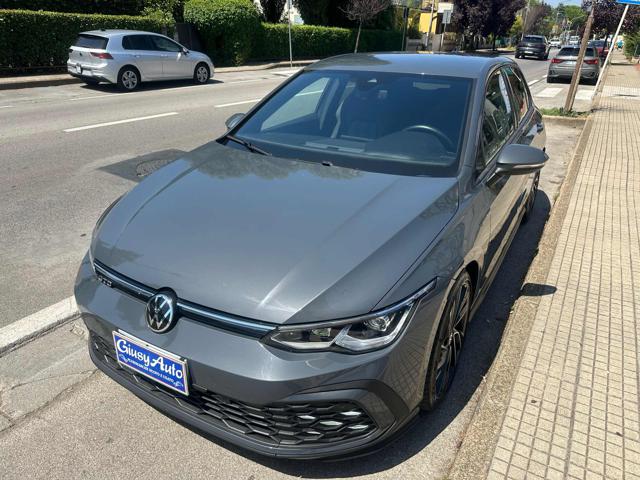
(159, 365)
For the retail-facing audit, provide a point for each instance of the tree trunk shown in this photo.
(494, 42)
(358, 37)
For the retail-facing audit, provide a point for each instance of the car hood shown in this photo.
(273, 239)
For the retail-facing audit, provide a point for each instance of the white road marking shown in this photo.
(548, 92)
(222, 105)
(29, 327)
(247, 81)
(118, 122)
(6, 106)
(533, 82)
(584, 94)
(104, 95)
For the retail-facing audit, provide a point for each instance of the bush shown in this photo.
(227, 28)
(316, 42)
(43, 38)
(110, 7)
(632, 44)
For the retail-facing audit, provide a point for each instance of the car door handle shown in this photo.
(137, 56)
(539, 127)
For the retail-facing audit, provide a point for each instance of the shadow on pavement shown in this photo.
(145, 86)
(483, 341)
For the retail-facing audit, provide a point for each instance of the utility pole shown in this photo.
(575, 80)
(524, 19)
(290, 46)
(613, 43)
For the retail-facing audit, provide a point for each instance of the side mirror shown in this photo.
(520, 160)
(233, 120)
(185, 51)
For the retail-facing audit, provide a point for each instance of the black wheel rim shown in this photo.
(533, 193)
(452, 338)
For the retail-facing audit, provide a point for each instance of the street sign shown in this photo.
(629, 2)
(446, 17)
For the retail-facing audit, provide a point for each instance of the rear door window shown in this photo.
(164, 44)
(137, 42)
(91, 41)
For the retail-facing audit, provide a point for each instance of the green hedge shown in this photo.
(110, 7)
(316, 42)
(227, 28)
(632, 44)
(30, 38)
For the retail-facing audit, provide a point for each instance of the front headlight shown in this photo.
(360, 334)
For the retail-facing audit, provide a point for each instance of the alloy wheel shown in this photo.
(452, 338)
(202, 74)
(129, 79)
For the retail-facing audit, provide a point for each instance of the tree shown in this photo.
(164, 10)
(607, 14)
(363, 11)
(272, 9)
(313, 12)
(485, 17)
(535, 18)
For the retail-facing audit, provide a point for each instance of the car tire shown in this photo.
(531, 199)
(448, 342)
(128, 78)
(201, 74)
(550, 79)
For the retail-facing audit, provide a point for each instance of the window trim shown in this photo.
(490, 165)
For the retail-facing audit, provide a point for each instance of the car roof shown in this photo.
(446, 64)
(115, 33)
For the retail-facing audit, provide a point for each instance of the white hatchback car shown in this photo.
(128, 57)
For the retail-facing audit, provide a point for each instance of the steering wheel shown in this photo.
(432, 131)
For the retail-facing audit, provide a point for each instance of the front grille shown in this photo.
(291, 424)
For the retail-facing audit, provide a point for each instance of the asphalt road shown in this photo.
(54, 185)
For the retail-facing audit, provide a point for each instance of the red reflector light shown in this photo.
(557, 60)
(591, 62)
(102, 55)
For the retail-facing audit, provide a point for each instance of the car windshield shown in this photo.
(575, 51)
(375, 121)
(91, 41)
(530, 39)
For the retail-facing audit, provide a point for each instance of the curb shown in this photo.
(20, 332)
(481, 436)
(14, 83)
(26, 82)
(566, 121)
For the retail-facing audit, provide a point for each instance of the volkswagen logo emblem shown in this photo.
(161, 312)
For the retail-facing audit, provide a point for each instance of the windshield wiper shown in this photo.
(249, 146)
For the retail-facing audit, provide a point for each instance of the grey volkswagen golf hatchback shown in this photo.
(301, 286)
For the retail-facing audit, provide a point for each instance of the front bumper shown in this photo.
(248, 378)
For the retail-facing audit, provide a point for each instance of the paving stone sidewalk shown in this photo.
(574, 410)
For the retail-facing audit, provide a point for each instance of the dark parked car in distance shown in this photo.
(533, 46)
(601, 47)
(301, 287)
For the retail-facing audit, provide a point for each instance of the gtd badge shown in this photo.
(161, 312)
